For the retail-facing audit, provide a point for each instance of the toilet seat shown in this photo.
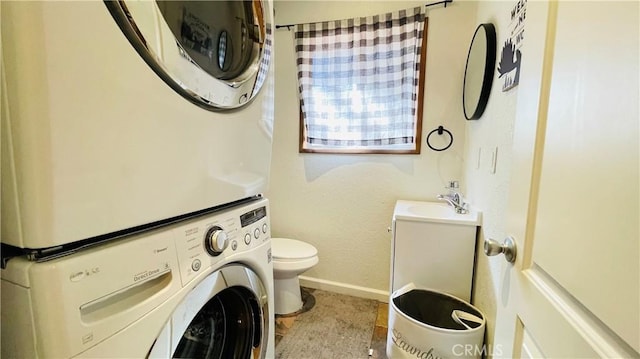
(285, 250)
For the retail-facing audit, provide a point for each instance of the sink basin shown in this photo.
(439, 212)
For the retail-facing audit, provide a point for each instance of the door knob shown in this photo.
(507, 247)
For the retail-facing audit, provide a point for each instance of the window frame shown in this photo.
(369, 150)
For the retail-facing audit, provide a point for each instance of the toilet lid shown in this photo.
(286, 248)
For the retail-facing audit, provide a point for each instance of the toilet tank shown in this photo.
(433, 247)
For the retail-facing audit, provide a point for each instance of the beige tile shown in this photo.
(379, 337)
(383, 315)
(278, 339)
(283, 324)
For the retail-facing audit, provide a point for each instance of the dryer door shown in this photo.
(214, 53)
(224, 316)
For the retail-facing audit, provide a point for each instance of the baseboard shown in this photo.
(344, 288)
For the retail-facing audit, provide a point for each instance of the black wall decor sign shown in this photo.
(511, 58)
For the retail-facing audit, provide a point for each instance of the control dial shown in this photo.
(216, 240)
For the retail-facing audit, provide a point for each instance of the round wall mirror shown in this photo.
(214, 53)
(478, 73)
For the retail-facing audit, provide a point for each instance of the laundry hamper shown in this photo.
(430, 324)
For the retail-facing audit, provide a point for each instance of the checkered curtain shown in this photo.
(263, 69)
(358, 79)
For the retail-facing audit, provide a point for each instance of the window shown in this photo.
(361, 83)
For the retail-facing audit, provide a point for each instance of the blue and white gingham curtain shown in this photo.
(358, 79)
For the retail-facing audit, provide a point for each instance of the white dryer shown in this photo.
(201, 289)
(119, 116)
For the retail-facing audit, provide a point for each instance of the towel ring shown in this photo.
(440, 130)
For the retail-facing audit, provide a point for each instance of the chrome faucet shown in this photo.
(454, 198)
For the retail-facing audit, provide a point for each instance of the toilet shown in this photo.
(291, 258)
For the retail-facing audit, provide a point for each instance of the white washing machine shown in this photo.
(201, 288)
(118, 116)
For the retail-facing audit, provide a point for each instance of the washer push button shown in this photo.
(195, 265)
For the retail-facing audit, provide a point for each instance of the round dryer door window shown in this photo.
(215, 53)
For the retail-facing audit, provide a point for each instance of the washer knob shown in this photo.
(216, 241)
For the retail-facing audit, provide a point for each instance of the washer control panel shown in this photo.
(208, 240)
(254, 225)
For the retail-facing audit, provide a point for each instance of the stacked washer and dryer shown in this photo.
(136, 144)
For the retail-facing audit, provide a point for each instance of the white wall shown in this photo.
(343, 204)
(489, 191)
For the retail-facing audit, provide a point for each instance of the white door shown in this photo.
(574, 289)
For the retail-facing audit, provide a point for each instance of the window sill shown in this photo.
(362, 150)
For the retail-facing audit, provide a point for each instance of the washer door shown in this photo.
(224, 316)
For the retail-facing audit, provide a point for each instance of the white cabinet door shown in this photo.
(574, 291)
(437, 256)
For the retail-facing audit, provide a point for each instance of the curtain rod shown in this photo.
(445, 2)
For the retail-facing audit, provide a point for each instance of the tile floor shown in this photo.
(378, 338)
